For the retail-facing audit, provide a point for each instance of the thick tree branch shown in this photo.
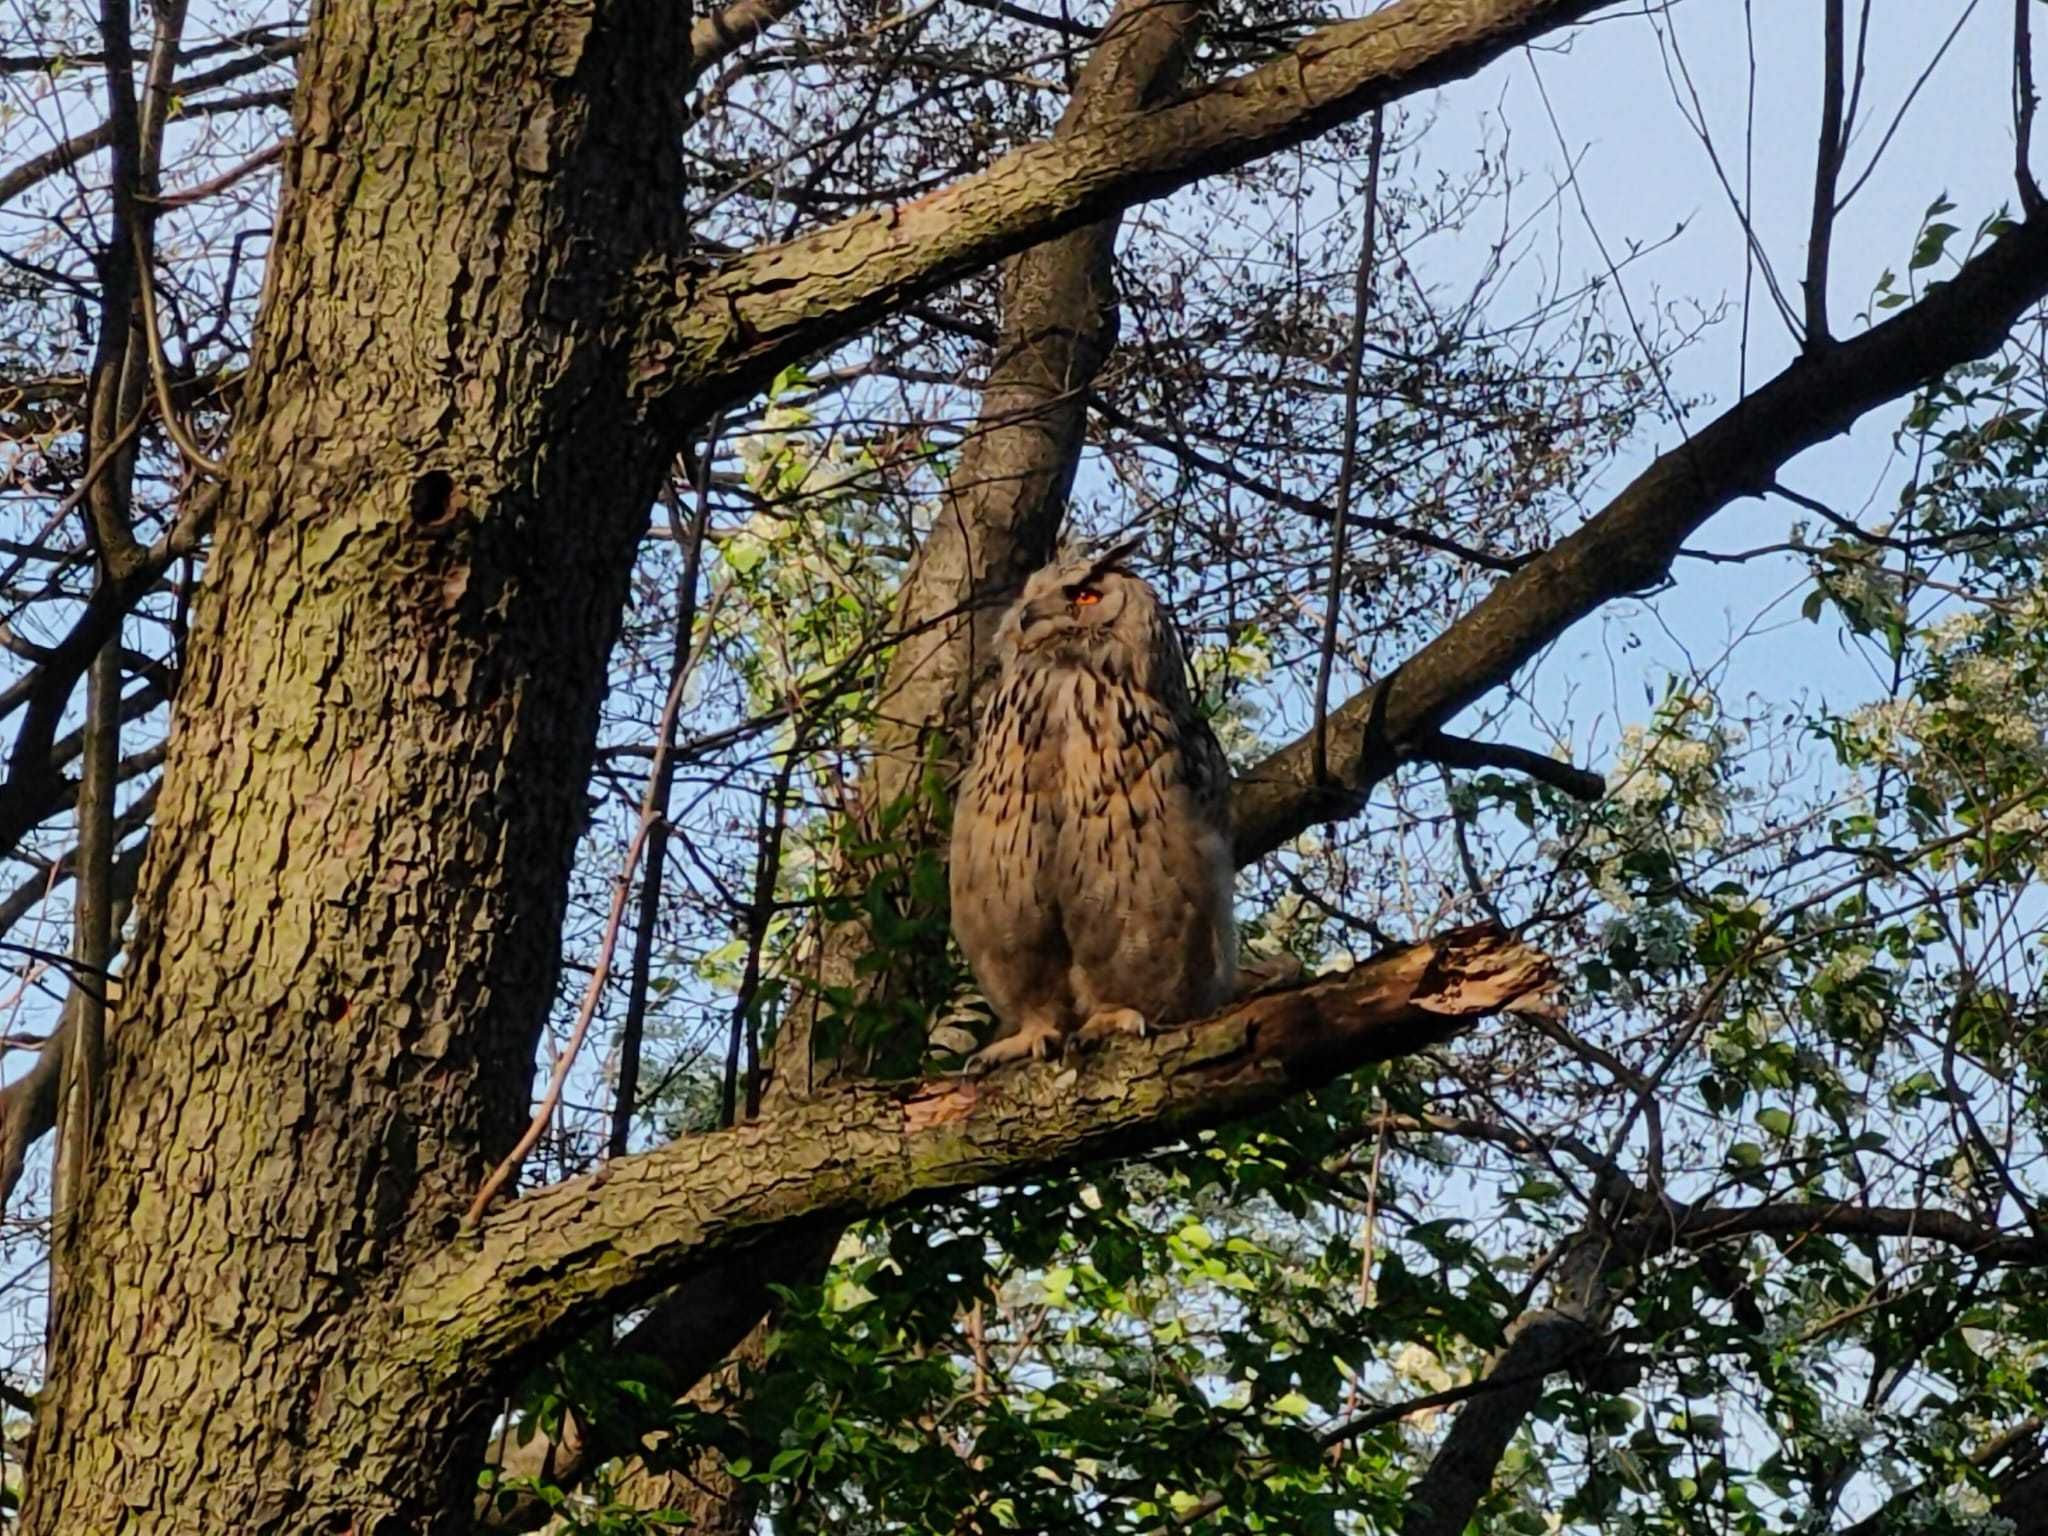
(1630, 544)
(1700, 1226)
(721, 334)
(534, 1272)
(1567, 1332)
(1442, 1500)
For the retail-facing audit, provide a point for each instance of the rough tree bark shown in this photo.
(482, 339)
(341, 964)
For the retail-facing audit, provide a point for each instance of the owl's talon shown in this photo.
(1034, 1042)
(1108, 1023)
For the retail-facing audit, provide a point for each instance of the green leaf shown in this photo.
(1933, 244)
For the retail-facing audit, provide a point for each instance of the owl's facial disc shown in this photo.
(1074, 616)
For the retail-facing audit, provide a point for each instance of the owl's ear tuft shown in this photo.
(1114, 557)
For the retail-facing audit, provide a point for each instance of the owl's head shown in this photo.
(1089, 608)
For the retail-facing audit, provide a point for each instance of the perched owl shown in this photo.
(1091, 863)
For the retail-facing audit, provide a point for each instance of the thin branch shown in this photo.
(1280, 496)
(745, 1028)
(1826, 172)
(1674, 1222)
(184, 197)
(2025, 101)
(1463, 752)
(622, 885)
(25, 897)
(1065, 26)
(159, 371)
(1347, 473)
(1905, 106)
(62, 157)
(661, 784)
(28, 1105)
(113, 390)
(717, 37)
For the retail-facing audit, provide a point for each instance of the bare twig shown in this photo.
(661, 781)
(1347, 473)
(600, 973)
(2024, 102)
(1905, 105)
(184, 197)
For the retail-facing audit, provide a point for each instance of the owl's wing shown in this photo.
(1208, 770)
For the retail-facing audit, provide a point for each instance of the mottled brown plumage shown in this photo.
(1091, 866)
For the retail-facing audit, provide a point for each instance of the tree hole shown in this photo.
(433, 499)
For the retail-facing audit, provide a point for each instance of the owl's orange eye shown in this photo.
(1086, 596)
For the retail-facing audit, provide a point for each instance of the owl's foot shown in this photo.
(1108, 1023)
(1040, 1040)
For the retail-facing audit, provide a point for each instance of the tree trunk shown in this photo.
(350, 916)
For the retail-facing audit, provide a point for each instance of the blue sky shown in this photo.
(1620, 102)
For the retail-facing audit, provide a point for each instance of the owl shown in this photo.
(1091, 858)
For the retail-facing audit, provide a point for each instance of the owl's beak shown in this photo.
(1031, 628)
